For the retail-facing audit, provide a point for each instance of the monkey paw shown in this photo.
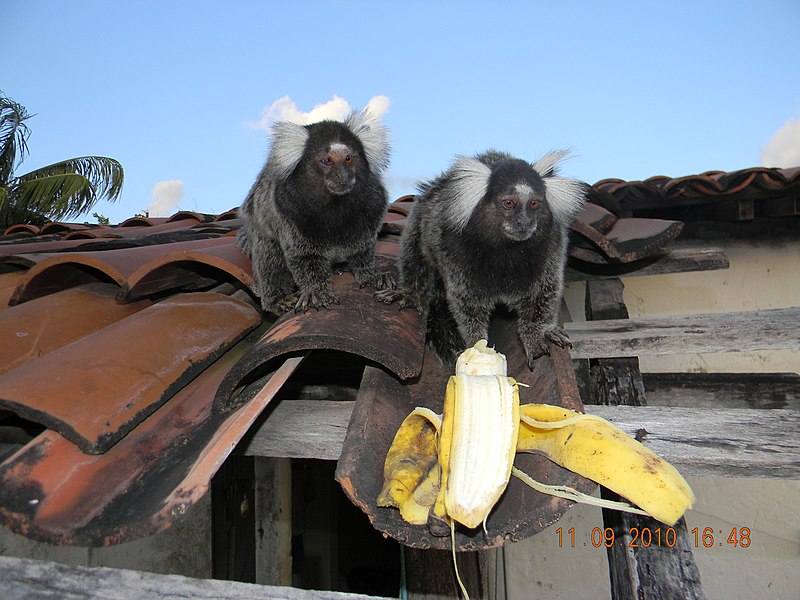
(315, 299)
(558, 337)
(391, 295)
(380, 280)
(287, 304)
(541, 344)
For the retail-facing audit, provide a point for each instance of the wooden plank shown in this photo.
(25, 579)
(302, 429)
(723, 390)
(611, 380)
(699, 441)
(678, 260)
(636, 572)
(772, 329)
(429, 574)
(705, 442)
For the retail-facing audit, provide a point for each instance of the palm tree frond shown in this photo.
(105, 175)
(13, 136)
(56, 196)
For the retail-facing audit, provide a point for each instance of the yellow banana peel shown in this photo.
(455, 467)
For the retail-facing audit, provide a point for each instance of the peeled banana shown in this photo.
(455, 467)
(478, 438)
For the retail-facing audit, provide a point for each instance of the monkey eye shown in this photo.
(535, 203)
(326, 161)
(348, 159)
(508, 203)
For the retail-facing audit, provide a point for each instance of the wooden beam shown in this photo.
(773, 329)
(636, 572)
(699, 441)
(678, 260)
(723, 390)
(25, 579)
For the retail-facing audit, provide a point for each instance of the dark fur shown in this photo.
(302, 219)
(456, 274)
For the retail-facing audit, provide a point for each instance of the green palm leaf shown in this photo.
(104, 175)
(59, 191)
(13, 137)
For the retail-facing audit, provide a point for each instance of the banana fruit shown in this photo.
(457, 464)
(593, 447)
(478, 439)
(455, 467)
(411, 469)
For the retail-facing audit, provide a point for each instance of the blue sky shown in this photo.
(172, 89)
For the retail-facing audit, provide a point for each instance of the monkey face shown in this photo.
(338, 164)
(518, 211)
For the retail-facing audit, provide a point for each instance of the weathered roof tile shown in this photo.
(110, 380)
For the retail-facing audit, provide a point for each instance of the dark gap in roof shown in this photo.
(24, 238)
(11, 267)
(15, 432)
(188, 276)
(183, 235)
(60, 277)
(325, 375)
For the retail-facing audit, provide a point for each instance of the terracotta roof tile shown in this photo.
(59, 227)
(34, 329)
(144, 359)
(347, 327)
(32, 246)
(143, 266)
(8, 283)
(22, 228)
(760, 183)
(51, 491)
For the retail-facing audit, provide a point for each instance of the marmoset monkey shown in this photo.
(491, 230)
(318, 202)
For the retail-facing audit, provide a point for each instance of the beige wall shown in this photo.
(761, 276)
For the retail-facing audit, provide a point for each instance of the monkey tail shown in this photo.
(443, 335)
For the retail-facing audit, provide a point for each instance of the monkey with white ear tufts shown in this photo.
(318, 202)
(491, 230)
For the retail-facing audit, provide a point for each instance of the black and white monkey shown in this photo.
(492, 229)
(318, 202)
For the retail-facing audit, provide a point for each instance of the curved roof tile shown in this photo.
(34, 329)
(358, 325)
(24, 228)
(50, 273)
(52, 491)
(184, 265)
(660, 191)
(145, 358)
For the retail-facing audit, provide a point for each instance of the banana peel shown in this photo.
(594, 448)
(423, 461)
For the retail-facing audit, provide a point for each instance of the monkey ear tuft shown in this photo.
(470, 182)
(548, 165)
(288, 145)
(374, 137)
(565, 196)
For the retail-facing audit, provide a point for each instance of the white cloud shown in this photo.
(783, 149)
(285, 109)
(166, 196)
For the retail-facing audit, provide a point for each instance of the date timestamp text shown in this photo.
(645, 537)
